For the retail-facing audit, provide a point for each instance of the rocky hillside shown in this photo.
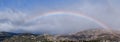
(92, 34)
(4, 35)
(86, 35)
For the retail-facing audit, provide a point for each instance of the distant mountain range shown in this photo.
(4, 35)
(86, 35)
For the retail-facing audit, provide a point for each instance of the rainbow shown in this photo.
(101, 23)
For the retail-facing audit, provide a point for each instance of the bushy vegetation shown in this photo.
(26, 39)
(89, 36)
(41, 39)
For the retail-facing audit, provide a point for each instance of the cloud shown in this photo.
(104, 10)
(15, 20)
(10, 19)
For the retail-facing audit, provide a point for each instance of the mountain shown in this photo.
(4, 35)
(93, 34)
(84, 36)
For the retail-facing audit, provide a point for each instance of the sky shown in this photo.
(35, 15)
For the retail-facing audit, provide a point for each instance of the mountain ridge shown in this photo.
(90, 34)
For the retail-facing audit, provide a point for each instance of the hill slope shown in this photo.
(86, 35)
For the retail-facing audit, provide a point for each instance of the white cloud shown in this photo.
(17, 20)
